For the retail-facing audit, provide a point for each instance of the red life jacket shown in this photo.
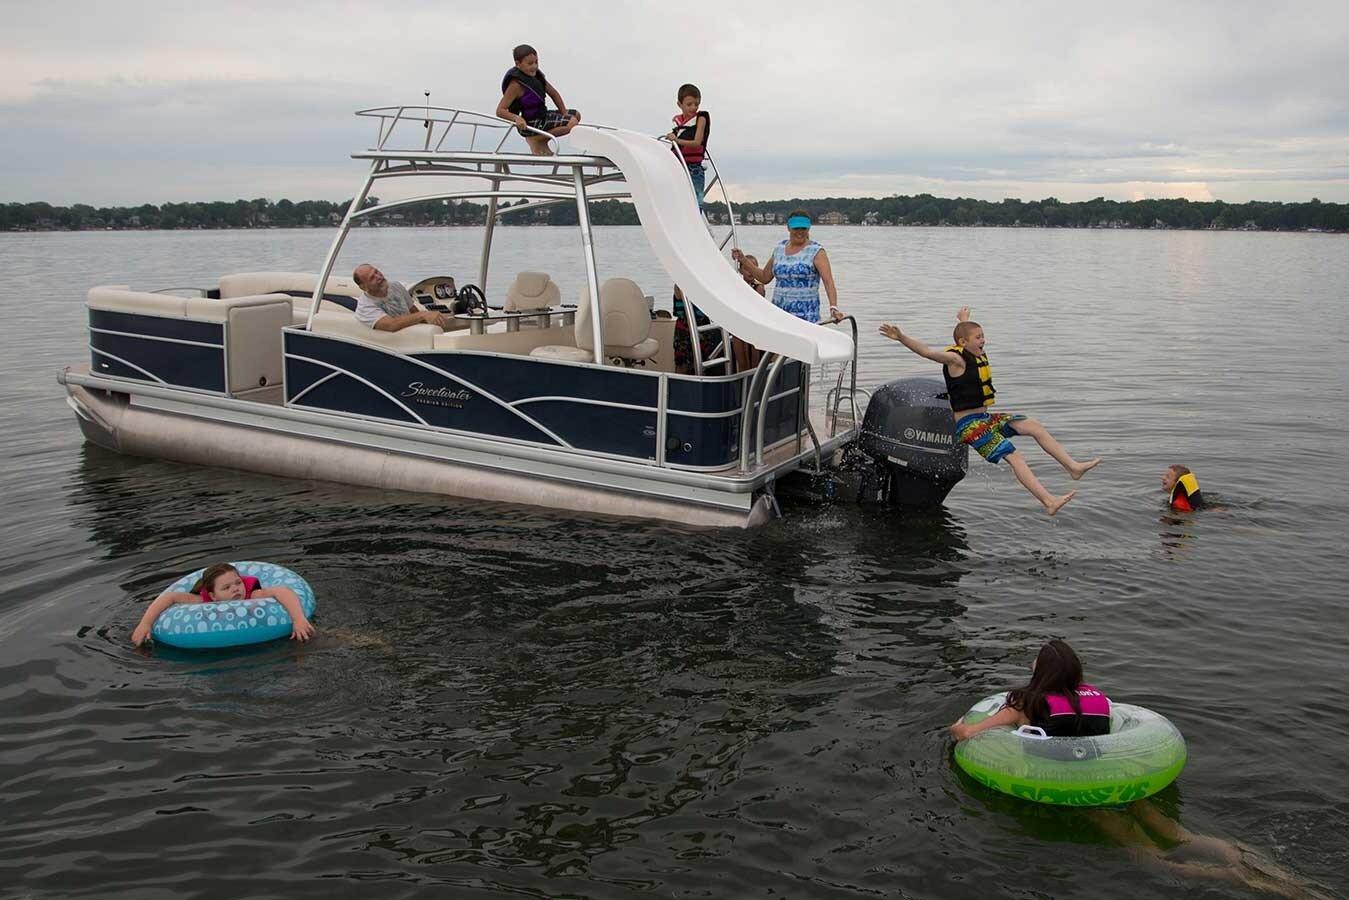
(686, 129)
(251, 584)
(1186, 496)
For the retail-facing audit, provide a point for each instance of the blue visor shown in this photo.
(798, 222)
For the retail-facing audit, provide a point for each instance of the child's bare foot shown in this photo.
(1059, 503)
(1083, 468)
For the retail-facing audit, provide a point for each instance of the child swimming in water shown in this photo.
(969, 385)
(1056, 699)
(223, 582)
(1183, 488)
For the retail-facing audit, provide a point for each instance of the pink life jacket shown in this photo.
(1092, 701)
(251, 584)
(1095, 713)
(686, 127)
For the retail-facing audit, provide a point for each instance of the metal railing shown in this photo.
(470, 125)
(752, 396)
(731, 236)
(720, 353)
(833, 399)
(758, 393)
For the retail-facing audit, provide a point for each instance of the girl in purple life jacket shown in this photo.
(223, 582)
(1056, 700)
(524, 100)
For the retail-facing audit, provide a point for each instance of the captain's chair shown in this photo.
(626, 320)
(531, 291)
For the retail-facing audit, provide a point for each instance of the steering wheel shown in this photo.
(470, 299)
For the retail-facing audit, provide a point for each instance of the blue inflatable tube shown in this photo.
(233, 623)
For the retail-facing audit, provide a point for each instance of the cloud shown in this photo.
(147, 101)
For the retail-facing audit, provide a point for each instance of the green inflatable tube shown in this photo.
(1142, 754)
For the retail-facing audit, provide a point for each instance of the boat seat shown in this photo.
(245, 284)
(557, 351)
(202, 309)
(344, 324)
(626, 323)
(532, 291)
(339, 293)
(251, 326)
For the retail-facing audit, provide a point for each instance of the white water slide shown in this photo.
(677, 233)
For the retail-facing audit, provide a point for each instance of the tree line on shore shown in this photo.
(921, 209)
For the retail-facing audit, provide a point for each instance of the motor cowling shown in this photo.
(909, 434)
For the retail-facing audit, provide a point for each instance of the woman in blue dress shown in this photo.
(797, 268)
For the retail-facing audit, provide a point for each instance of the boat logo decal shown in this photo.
(454, 398)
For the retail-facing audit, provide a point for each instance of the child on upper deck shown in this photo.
(969, 385)
(524, 96)
(691, 127)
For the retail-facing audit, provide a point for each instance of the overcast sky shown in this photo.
(133, 102)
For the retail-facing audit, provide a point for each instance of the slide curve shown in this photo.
(677, 233)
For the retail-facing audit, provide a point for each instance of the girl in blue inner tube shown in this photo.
(223, 582)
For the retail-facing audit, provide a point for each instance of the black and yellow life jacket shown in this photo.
(1186, 495)
(974, 387)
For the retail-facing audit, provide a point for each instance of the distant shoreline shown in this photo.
(107, 228)
(893, 211)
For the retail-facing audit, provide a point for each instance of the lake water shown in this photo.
(508, 701)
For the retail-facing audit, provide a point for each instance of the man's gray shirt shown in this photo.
(398, 302)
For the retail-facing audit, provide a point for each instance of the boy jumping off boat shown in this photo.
(969, 385)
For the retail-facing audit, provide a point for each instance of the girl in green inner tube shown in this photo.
(1056, 699)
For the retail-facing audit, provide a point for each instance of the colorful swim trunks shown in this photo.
(988, 433)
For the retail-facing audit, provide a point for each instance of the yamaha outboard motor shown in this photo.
(906, 455)
(909, 444)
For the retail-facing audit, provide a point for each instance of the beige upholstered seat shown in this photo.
(625, 317)
(626, 321)
(251, 283)
(557, 351)
(343, 324)
(531, 291)
(252, 325)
